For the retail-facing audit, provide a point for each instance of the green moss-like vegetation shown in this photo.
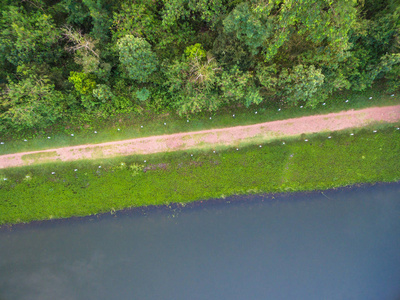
(34, 193)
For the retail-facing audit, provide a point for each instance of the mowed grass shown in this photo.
(34, 193)
(130, 126)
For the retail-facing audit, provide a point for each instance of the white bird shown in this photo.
(279, 109)
(25, 140)
(233, 115)
(53, 173)
(329, 137)
(237, 149)
(119, 129)
(283, 143)
(306, 140)
(95, 132)
(210, 118)
(165, 123)
(260, 146)
(351, 133)
(370, 98)
(323, 103)
(255, 112)
(2, 143)
(301, 106)
(191, 154)
(4, 179)
(141, 126)
(347, 101)
(374, 131)
(72, 134)
(187, 121)
(144, 161)
(76, 170)
(392, 95)
(48, 137)
(99, 167)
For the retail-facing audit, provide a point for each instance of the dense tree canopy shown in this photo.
(63, 58)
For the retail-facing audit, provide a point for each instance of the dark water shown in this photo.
(302, 246)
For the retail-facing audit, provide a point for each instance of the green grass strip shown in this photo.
(63, 135)
(34, 193)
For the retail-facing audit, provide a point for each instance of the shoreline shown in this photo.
(197, 204)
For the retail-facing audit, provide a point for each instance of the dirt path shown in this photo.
(233, 136)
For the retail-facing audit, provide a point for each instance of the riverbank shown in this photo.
(175, 209)
(320, 161)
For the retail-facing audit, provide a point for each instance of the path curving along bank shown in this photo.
(231, 136)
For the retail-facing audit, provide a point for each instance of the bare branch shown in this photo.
(79, 40)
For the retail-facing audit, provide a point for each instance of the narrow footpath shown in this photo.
(231, 136)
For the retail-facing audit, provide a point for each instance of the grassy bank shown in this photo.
(130, 126)
(34, 193)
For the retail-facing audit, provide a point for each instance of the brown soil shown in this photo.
(232, 136)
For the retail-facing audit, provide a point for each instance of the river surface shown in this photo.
(339, 244)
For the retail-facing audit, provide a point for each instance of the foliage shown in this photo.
(269, 27)
(76, 13)
(229, 50)
(84, 83)
(136, 57)
(199, 56)
(27, 37)
(100, 19)
(84, 48)
(207, 10)
(136, 169)
(29, 103)
(103, 93)
(137, 20)
(376, 44)
(194, 84)
(195, 51)
(301, 85)
(240, 87)
(143, 94)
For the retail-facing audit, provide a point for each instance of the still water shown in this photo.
(340, 244)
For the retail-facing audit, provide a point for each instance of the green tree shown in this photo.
(238, 86)
(136, 57)
(138, 20)
(101, 19)
(268, 26)
(206, 10)
(27, 37)
(103, 93)
(84, 83)
(193, 83)
(301, 84)
(30, 103)
(376, 45)
(195, 51)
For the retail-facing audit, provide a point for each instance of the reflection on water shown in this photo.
(342, 244)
